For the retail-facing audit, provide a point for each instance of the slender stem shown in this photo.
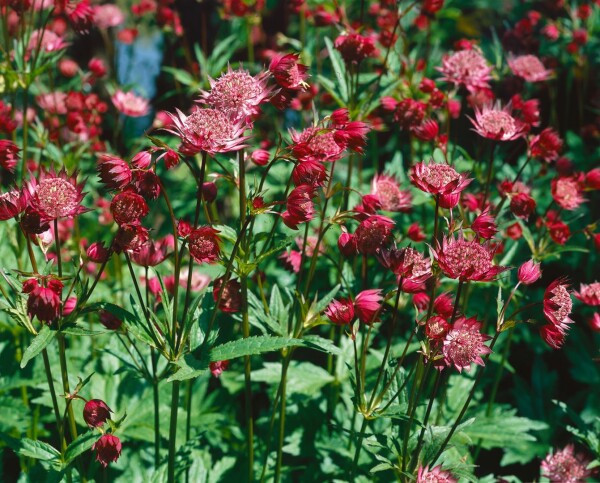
(361, 437)
(156, 400)
(284, 368)
(466, 404)
(173, 431)
(59, 424)
(65, 380)
(488, 182)
(456, 302)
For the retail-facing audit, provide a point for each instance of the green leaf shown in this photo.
(82, 444)
(339, 69)
(38, 450)
(252, 346)
(44, 337)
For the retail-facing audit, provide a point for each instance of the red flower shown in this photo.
(466, 67)
(130, 236)
(114, 172)
(43, 303)
(57, 195)
(340, 312)
(589, 294)
(467, 260)
(128, 208)
(218, 367)
(80, 15)
(484, 225)
(97, 253)
(406, 263)
(151, 253)
(310, 173)
(355, 47)
(438, 178)
(367, 305)
(231, 297)
(96, 412)
(464, 344)
(557, 307)
(288, 72)
(110, 321)
(559, 231)
(436, 327)
(391, 197)
(13, 203)
(566, 191)
(300, 207)
(204, 244)
(372, 234)
(546, 145)
(409, 114)
(9, 155)
(108, 448)
(522, 205)
(415, 233)
(566, 466)
(529, 272)
(317, 144)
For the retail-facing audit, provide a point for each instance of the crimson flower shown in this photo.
(204, 244)
(340, 312)
(288, 72)
(355, 48)
(96, 412)
(367, 305)
(546, 145)
(391, 197)
(557, 308)
(108, 448)
(9, 155)
(497, 123)
(467, 260)
(529, 272)
(406, 263)
(372, 234)
(566, 191)
(231, 296)
(300, 207)
(128, 207)
(464, 344)
(438, 178)
(114, 172)
(468, 68)
(485, 225)
(589, 294)
(57, 195)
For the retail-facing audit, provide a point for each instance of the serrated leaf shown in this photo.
(38, 450)
(41, 341)
(339, 69)
(82, 444)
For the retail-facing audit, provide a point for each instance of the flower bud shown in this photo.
(529, 272)
(108, 448)
(340, 312)
(96, 412)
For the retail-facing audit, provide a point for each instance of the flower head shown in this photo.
(13, 203)
(438, 178)
(96, 412)
(354, 47)
(529, 272)
(435, 475)
(391, 197)
(238, 94)
(373, 233)
(589, 294)
(288, 72)
(300, 207)
(229, 297)
(464, 344)
(546, 145)
(108, 448)
(468, 68)
(218, 367)
(367, 305)
(566, 191)
(57, 195)
(130, 104)
(566, 466)
(204, 244)
(340, 312)
(9, 155)
(43, 302)
(209, 130)
(558, 305)
(497, 123)
(467, 260)
(128, 207)
(406, 263)
(529, 67)
(114, 172)
(317, 144)
(485, 225)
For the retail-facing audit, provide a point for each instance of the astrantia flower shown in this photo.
(406, 263)
(466, 67)
(108, 15)
(97, 252)
(558, 304)
(9, 155)
(485, 225)
(354, 47)
(529, 67)
(529, 272)
(566, 191)
(372, 234)
(436, 327)
(494, 122)
(546, 145)
(300, 207)
(47, 41)
(589, 294)
(435, 475)
(108, 448)
(218, 367)
(44, 303)
(317, 144)
(464, 344)
(340, 312)
(288, 72)
(391, 197)
(12, 203)
(130, 104)
(231, 296)
(438, 178)
(310, 173)
(57, 195)
(208, 130)
(238, 94)
(522, 205)
(204, 244)
(128, 207)
(80, 15)
(130, 236)
(367, 304)
(467, 260)
(96, 412)
(151, 253)
(114, 172)
(566, 466)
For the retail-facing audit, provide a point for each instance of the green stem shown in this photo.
(65, 380)
(59, 424)
(359, 442)
(156, 400)
(173, 431)
(284, 368)
(488, 181)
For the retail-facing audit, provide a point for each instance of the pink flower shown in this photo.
(340, 312)
(529, 272)
(497, 123)
(113, 171)
(204, 244)
(9, 155)
(130, 104)
(406, 263)
(57, 195)
(436, 327)
(438, 178)
(288, 72)
(317, 144)
(108, 448)
(310, 173)
(566, 466)
(80, 15)
(589, 294)
(485, 225)
(546, 145)
(238, 94)
(151, 253)
(44, 302)
(47, 41)
(231, 295)
(217, 368)
(373, 233)
(291, 260)
(300, 207)
(522, 205)
(391, 197)
(468, 68)
(13, 203)
(464, 344)
(108, 15)
(207, 130)
(435, 475)
(558, 305)
(467, 260)
(594, 322)
(367, 305)
(96, 412)
(529, 67)
(97, 252)
(566, 191)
